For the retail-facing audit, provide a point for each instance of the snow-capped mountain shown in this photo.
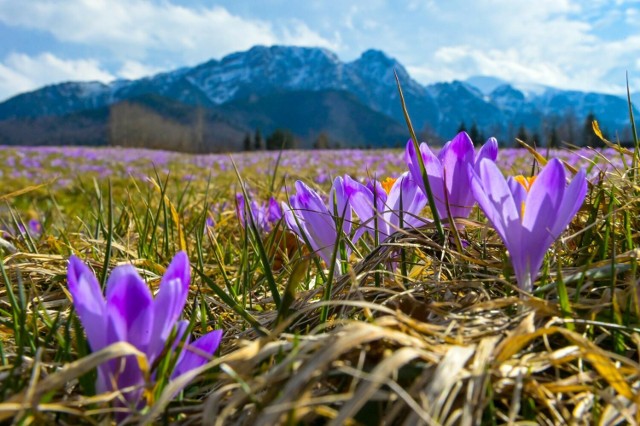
(495, 106)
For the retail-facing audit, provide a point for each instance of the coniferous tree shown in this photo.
(522, 134)
(553, 141)
(257, 141)
(198, 130)
(535, 139)
(246, 143)
(322, 141)
(280, 139)
(474, 134)
(462, 127)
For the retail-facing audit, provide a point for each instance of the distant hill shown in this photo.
(154, 121)
(338, 114)
(307, 90)
(88, 127)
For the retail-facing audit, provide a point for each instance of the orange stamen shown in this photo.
(526, 182)
(388, 183)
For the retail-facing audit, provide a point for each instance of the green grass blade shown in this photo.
(232, 303)
(636, 143)
(425, 177)
(108, 235)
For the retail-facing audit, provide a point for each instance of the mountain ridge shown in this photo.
(496, 107)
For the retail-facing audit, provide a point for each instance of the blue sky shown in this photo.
(584, 45)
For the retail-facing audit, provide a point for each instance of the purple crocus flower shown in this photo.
(131, 314)
(35, 227)
(372, 200)
(273, 211)
(447, 172)
(309, 217)
(264, 216)
(210, 222)
(529, 215)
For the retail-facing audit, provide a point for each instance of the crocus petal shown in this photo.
(492, 193)
(169, 302)
(193, 353)
(411, 159)
(543, 201)
(519, 194)
(258, 215)
(129, 375)
(413, 200)
(120, 372)
(295, 221)
(361, 200)
(290, 219)
(308, 199)
(573, 198)
(433, 168)
(339, 203)
(489, 150)
(455, 158)
(381, 208)
(240, 209)
(88, 302)
(181, 329)
(318, 222)
(130, 305)
(102, 379)
(396, 202)
(274, 211)
(395, 193)
(443, 150)
(379, 195)
(528, 260)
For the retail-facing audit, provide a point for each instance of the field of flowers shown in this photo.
(320, 287)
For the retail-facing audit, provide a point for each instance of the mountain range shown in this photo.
(212, 106)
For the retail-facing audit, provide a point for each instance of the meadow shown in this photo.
(427, 326)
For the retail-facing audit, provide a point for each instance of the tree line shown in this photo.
(133, 125)
(552, 133)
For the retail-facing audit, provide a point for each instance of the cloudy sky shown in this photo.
(585, 45)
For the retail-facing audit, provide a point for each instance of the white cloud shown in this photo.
(139, 36)
(546, 42)
(300, 34)
(579, 44)
(132, 70)
(12, 82)
(20, 72)
(136, 29)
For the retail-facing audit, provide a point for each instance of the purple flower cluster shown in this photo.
(528, 218)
